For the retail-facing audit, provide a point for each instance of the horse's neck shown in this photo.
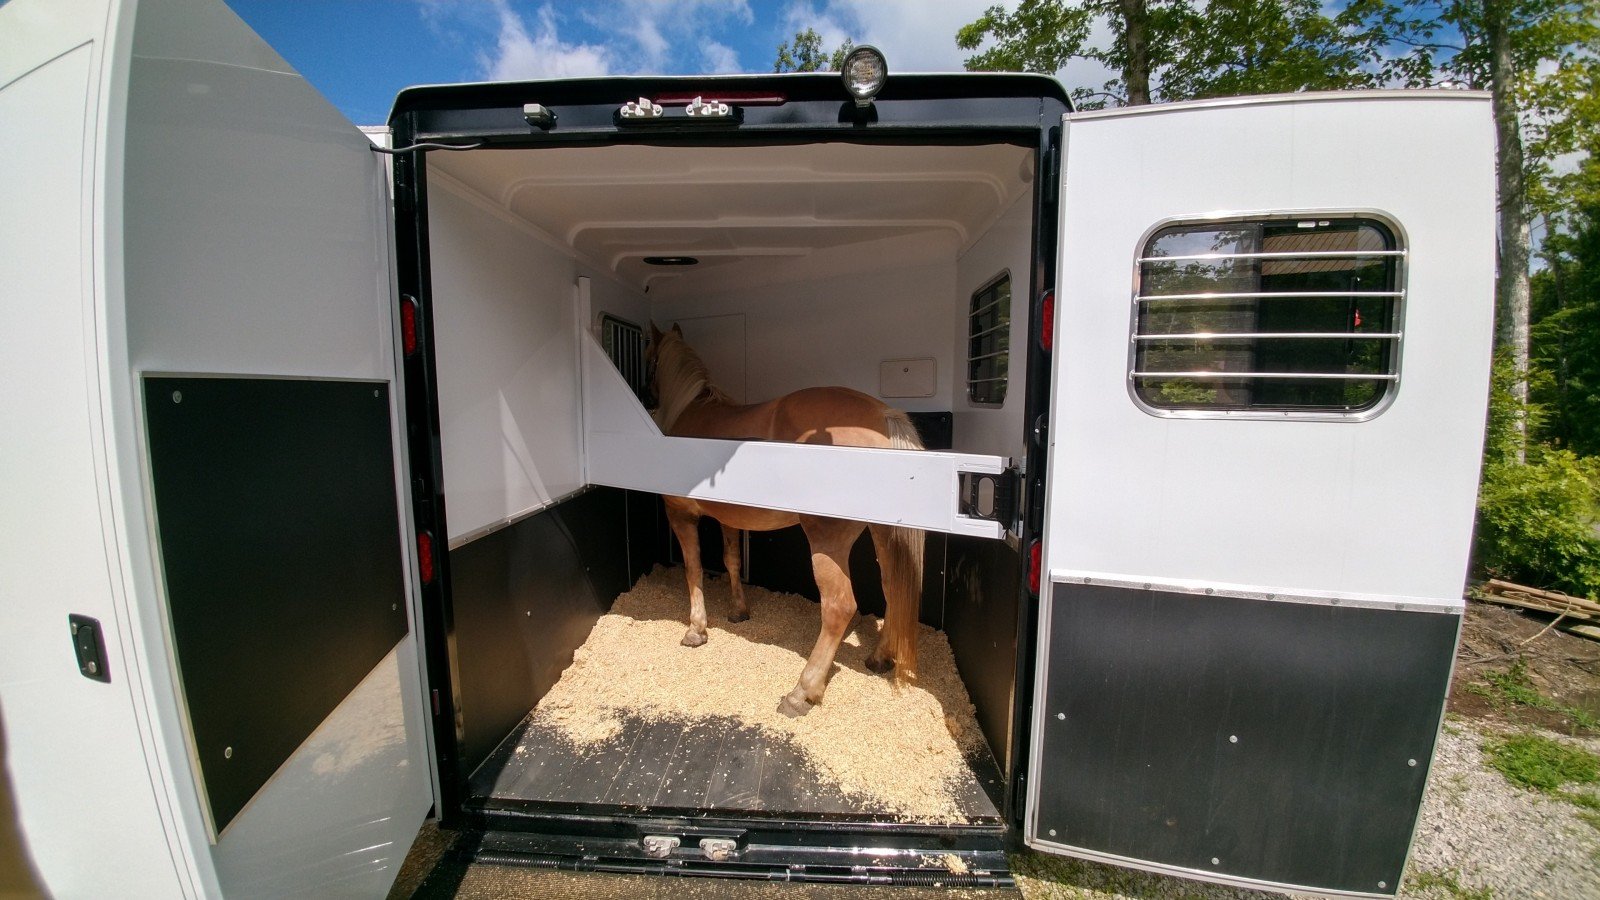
(686, 382)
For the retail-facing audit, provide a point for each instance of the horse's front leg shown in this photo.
(732, 553)
(686, 525)
(831, 540)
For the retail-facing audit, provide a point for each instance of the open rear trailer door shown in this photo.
(245, 354)
(1272, 341)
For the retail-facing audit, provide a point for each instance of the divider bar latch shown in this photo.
(991, 496)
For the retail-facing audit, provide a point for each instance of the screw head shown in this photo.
(1061, 716)
(227, 753)
(177, 396)
(1233, 739)
(1411, 762)
(1383, 884)
(93, 667)
(1215, 861)
(1052, 832)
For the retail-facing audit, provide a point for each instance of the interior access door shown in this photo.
(1272, 341)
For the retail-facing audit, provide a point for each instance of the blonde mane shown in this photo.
(681, 378)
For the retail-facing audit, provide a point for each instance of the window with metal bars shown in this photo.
(1270, 316)
(989, 342)
(623, 341)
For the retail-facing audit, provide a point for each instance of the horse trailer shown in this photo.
(328, 452)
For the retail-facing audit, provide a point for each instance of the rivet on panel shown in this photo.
(1052, 832)
(1061, 716)
(1411, 762)
(177, 396)
(1233, 739)
(1382, 885)
(1215, 861)
(227, 753)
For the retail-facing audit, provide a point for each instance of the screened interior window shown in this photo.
(1293, 315)
(623, 342)
(989, 342)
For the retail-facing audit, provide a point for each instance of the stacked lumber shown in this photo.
(1579, 614)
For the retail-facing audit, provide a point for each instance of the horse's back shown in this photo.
(832, 415)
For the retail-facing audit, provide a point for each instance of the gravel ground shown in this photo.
(1480, 837)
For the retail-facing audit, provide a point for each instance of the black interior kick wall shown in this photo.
(526, 596)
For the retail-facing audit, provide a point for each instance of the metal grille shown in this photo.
(1287, 314)
(624, 343)
(989, 342)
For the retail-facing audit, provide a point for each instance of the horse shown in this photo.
(688, 405)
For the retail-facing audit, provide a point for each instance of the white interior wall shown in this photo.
(831, 319)
(1006, 247)
(504, 325)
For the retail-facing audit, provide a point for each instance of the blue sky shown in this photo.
(360, 53)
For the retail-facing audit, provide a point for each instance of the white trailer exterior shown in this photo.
(187, 222)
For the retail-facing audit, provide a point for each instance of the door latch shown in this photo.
(89, 647)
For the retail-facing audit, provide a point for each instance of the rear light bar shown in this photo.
(742, 98)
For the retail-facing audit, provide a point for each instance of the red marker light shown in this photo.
(1034, 557)
(1047, 321)
(408, 325)
(425, 557)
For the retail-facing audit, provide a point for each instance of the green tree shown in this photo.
(806, 54)
(1181, 49)
(1538, 59)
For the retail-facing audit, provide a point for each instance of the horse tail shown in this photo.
(900, 554)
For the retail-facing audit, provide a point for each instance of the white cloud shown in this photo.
(664, 34)
(719, 59)
(519, 55)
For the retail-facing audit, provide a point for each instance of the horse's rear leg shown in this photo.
(732, 555)
(686, 525)
(831, 540)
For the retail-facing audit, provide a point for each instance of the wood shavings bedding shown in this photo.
(899, 747)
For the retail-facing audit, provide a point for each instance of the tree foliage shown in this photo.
(805, 54)
(1537, 518)
(1190, 49)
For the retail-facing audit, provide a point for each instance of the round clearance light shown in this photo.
(670, 261)
(864, 72)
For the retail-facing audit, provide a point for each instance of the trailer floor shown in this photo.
(714, 763)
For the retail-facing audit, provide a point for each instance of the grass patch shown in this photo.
(1447, 883)
(1511, 687)
(1584, 801)
(1541, 764)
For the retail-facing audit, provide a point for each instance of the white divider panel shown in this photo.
(625, 449)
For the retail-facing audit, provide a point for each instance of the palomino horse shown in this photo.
(689, 406)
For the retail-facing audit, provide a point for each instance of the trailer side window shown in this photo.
(989, 342)
(623, 342)
(1270, 315)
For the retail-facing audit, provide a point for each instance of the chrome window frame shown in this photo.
(1004, 275)
(1399, 292)
(632, 364)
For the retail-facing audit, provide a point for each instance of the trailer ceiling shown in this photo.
(737, 208)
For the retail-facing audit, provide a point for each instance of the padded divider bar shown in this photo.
(625, 449)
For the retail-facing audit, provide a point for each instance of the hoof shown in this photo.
(739, 615)
(693, 639)
(792, 708)
(881, 666)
